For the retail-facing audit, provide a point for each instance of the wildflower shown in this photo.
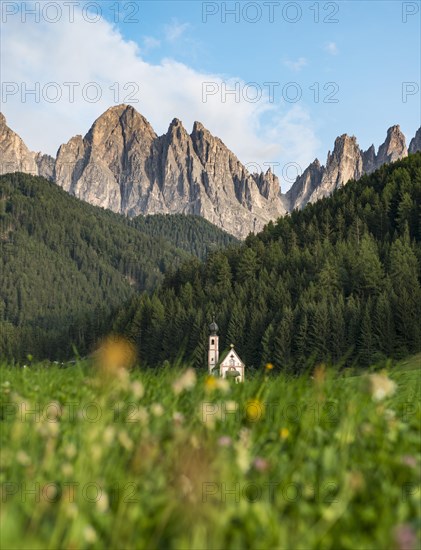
(284, 433)
(260, 464)
(109, 435)
(255, 410)
(96, 453)
(89, 534)
(102, 503)
(225, 441)
(213, 383)
(49, 492)
(380, 386)
(53, 411)
(115, 353)
(48, 429)
(125, 440)
(67, 469)
(186, 381)
(242, 450)
(70, 451)
(405, 537)
(410, 461)
(71, 510)
(22, 458)
(157, 409)
(178, 418)
(137, 389)
(141, 415)
(269, 366)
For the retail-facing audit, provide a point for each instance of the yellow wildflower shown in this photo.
(255, 410)
(284, 433)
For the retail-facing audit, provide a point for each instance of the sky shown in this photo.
(276, 81)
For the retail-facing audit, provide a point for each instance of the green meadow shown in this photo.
(172, 459)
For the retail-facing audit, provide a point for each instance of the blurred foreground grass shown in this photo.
(172, 459)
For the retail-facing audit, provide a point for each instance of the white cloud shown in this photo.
(295, 65)
(331, 48)
(150, 43)
(175, 30)
(83, 53)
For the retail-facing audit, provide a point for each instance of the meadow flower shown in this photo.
(225, 441)
(53, 411)
(141, 415)
(260, 464)
(255, 410)
(48, 429)
(70, 450)
(70, 509)
(49, 492)
(125, 440)
(114, 354)
(102, 503)
(109, 435)
(157, 409)
(410, 461)
(22, 458)
(178, 418)
(242, 457)
(67, 469)
(380, 386)
(137, 389)
(213, 383)
(284, 433)
(89, 534)
(405, 537)
(269, 366)
(186, 381)
(96, 452)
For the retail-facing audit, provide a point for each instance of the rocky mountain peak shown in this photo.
(415, 144)
(121, 164)
(394, 147)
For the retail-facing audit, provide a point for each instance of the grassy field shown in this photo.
(107, 458)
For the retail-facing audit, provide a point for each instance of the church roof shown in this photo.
(226, 354)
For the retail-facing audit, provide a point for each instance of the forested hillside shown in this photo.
(193, 234)
(66, 265)
(339, 280)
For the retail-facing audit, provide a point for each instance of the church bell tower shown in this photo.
(213, 353)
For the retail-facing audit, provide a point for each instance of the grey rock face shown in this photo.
(394, 147)
(304, 186)
(121, 164)
(369, 160)
(14, 155)
(345, 163)
(415, 144)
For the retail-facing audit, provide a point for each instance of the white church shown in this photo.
(229, 365)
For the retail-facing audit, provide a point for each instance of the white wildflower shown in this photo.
(186, 381)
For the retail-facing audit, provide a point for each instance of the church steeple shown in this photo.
(213, 353)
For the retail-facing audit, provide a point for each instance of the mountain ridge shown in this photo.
(122, 164)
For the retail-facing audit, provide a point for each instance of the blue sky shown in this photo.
(357, 54)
